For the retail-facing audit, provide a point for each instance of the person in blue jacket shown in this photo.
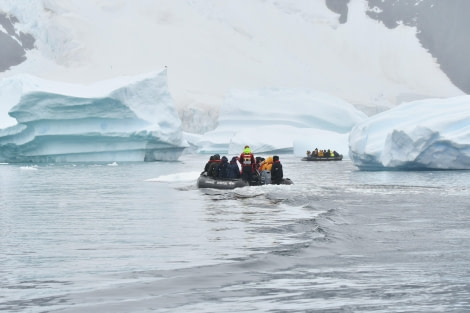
(222, 168)
(233, 171)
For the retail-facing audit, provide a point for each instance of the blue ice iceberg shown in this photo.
(124, 119)
(425, 134)
(274, 120)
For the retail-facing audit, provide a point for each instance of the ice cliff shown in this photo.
(275, 120)
(123, 119)
(425, 134)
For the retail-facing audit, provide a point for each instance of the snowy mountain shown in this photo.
(372, 54)
(282, 76)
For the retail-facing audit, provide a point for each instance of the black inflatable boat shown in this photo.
(205, 181)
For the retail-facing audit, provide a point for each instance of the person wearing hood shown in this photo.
(265, 171)
(248, 162)
(213, 167)
(222, 168)
(233, 171)
(276, 171)
(208, 164)
(267, 164)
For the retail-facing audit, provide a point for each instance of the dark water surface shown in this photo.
(140, 237)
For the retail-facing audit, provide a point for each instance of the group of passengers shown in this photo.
(221, 168)
(249, 169)
(322, 153)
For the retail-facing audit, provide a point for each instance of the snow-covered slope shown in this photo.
(213, 46)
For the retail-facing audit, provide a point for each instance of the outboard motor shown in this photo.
(265, 177)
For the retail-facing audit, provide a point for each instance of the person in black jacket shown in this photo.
(212, 172)
(208, 164)
(276, 171)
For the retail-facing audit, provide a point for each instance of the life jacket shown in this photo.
(246, 159)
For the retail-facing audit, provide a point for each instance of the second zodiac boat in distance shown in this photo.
(323, 158)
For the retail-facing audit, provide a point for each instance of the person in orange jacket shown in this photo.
(267, 164)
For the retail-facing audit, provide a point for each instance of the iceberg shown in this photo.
(123, 119)
(272, 120)
(424, 134)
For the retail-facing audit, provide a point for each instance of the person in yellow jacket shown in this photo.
(267, 164)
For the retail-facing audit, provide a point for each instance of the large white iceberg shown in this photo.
(425, 134)
(274, 120)
(124, 119)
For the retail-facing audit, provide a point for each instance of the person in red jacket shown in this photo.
(247, 161)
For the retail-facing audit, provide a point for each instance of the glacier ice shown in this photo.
(273, 119)
(123, 119)
(424, 134)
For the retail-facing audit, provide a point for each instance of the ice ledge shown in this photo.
(131, 119)
(421, 135)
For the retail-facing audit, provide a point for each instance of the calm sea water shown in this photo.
(140, 237)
